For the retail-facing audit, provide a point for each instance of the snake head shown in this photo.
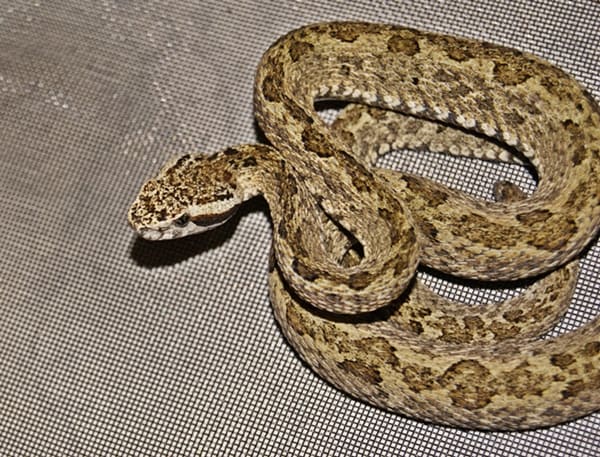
(190, 194)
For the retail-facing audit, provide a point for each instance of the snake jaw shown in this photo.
(185, 221)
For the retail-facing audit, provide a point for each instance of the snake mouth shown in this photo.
(186, 225)
(151, 235)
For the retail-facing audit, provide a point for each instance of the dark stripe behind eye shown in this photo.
(205, 220)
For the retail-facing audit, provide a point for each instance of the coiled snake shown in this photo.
(348, 236)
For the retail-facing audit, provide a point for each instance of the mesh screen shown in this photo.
(111, 345)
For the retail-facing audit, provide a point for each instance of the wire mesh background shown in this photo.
(111, 345)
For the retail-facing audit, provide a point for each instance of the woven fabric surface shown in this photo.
(110, 345)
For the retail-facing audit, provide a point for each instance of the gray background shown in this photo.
(111, 345)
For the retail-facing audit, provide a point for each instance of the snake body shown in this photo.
(348, 236)
(514, 97)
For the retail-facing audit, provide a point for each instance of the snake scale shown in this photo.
(348, 236)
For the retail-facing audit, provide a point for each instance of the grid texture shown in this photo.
(111, 345)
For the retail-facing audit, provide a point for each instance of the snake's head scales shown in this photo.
(190, 194)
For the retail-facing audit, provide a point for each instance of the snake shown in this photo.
(348, 237)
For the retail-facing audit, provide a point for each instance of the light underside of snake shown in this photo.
(348, 237)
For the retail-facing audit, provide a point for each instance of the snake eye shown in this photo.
(182, 220)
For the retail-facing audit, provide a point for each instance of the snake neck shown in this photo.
(251, 170)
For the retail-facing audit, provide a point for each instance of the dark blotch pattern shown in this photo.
(418, 378)
(511, 75)
(249, 162)
(404, 42)
(316, 142)
(459, 53)
(592, 349)
(534, 217)
(549, 241)
(270, 89)
(521, 382)
(303, 270)
(364, 372)
(230, 152)
(359, 281)
(434, 197)
(562, 360)
(463, 392)
(299, 48)
(573, 388)
(345, 34)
